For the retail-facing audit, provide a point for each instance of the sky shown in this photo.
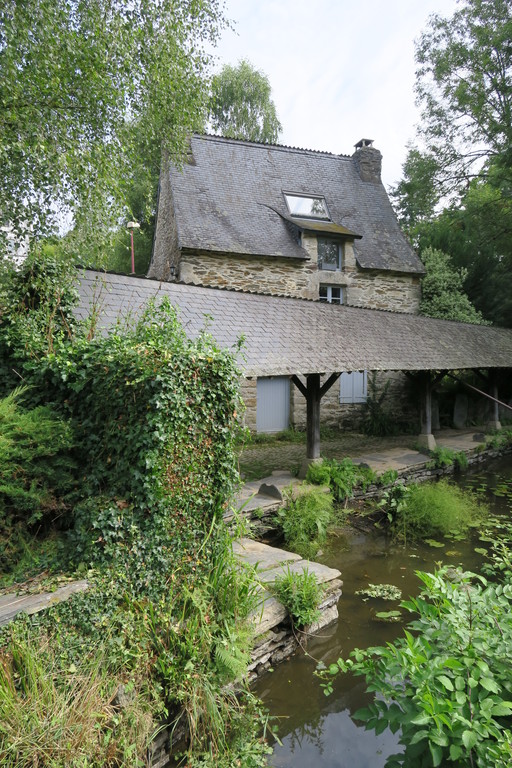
(340, 71)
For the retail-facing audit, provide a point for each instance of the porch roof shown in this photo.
(285, 336)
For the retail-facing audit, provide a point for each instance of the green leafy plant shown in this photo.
(301, 595)
(304, 520)
(440, 458)
(445, 684)
(344, 477)
(388, 477)
(36, 474)
(377, 420)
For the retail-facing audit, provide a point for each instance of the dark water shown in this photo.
(319, 731)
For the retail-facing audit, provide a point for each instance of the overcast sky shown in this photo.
(340, 71)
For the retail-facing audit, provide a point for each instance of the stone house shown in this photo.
(288, 222)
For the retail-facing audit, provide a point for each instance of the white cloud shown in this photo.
(340, 71)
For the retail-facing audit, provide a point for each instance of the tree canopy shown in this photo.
(442, 292)
(456, 191)
(241, 106)
(87, 91)
(464, 84)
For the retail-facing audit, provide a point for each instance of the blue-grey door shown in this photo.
(273, 404)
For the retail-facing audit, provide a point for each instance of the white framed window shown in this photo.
(330, 254)
(332, 294)
(307, 206)
(353, 387)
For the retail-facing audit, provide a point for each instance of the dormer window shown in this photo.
(307, 207)
(330, 254)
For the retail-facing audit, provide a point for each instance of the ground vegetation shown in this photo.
(143, 425)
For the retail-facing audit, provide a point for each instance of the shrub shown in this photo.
(445, 685)
(36, 473)
(431, 509)
(301, 594)
(343, 476)
(304, 521)
(377, 421)
(441, 457)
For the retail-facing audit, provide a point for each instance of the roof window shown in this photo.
(307, 206)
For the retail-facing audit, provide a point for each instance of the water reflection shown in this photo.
(320, 731)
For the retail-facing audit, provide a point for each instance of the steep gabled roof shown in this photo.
(293, 336)
(228, 198)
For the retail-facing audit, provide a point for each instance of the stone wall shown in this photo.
(272, 275)
(281, 276)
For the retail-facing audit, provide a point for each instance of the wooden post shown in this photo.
(426, 439)
(494, 423)
(313, 416)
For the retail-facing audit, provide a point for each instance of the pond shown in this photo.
(319, 731)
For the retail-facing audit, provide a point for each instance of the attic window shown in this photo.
(308, 207)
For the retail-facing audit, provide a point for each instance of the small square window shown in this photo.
(332, 294)
(306, 206)
(330, 254)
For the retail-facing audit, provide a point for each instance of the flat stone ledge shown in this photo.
(12, 604)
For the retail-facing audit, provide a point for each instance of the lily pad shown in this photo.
(388, 616)
(434, 543)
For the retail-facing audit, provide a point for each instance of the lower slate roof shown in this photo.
(286, 336)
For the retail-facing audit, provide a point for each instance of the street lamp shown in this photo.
(131, 226)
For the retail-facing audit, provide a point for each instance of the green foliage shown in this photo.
(388, 477)
(429, 509)
(36, 474)
(53, 715)
(70, 144)
(305, 519)
(463, 83)
(445, 685)
(442, 293)
(155, 430)
(343, 477)
(441, 458)
(377, 421)
(301, 594)
(500, 440)
(241, 106)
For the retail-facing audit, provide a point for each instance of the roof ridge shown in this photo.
(280, 147)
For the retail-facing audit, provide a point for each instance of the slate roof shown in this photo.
(293, 336)
(229, 199)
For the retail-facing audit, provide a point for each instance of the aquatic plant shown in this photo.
(426, 510)
(304, 520)
(301, 594)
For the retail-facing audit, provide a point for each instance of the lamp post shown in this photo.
(131, 226)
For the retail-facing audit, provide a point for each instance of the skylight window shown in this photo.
(307, 206)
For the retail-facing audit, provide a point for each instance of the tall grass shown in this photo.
(58, 718)
(304, 521)
(437, 509)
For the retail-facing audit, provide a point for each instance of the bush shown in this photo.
(343, 476)
(36, 473)
(436, 509)
(445, 685)
(304, 521)
(301, 594)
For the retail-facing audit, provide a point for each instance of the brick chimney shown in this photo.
(368, 160)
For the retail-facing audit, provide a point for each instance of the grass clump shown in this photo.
(301, 595)
(436, 509)
(305, 519)
(58, 715)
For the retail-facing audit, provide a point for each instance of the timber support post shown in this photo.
(494, 421)
(426, 439)
(313, 393)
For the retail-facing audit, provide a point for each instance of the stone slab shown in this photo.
(11, 605)
(322, 572)
(261, 555)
